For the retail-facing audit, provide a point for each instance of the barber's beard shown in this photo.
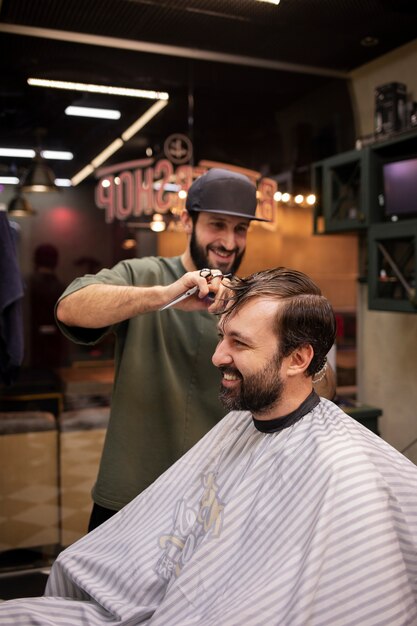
(200, 259)
(257, 393)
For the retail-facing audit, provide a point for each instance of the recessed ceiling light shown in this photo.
(105, 114)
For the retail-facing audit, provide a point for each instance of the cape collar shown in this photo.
(279, 423)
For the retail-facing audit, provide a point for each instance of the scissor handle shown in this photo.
(190, 292)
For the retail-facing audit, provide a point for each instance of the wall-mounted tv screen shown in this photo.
(400, 188)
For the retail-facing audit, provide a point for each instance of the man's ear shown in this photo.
(299, 360)
(187, 222)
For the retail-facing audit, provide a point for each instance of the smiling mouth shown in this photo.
(229, 376)
(224, 254)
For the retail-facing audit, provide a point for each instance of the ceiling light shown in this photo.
(311, 199)
(9, 180)
(91, 88)
(17, 152)
(105, 114)
(29, 153)
(299, 198)
(57, 155)
(86, 171)
(39, 177)
(118, 143)
(62, 182)
(157, 225)
(271, 1)
(107, 152)
(143, 119)
(19, 206)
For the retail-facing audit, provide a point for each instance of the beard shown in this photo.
(257, 393)
(200, 257)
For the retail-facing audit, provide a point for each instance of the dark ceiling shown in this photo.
(230, 68)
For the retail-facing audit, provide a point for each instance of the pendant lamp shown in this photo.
(39, 177)
(19, 206)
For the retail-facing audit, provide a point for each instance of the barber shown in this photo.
(165, 388)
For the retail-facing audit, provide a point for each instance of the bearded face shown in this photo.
(257, 392)
(218, 242)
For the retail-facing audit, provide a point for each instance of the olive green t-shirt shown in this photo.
(165, 392)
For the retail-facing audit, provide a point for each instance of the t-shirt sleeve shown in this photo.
(135, 272)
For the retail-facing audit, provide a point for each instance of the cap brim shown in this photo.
(232, 214)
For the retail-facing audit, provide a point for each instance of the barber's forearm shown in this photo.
(97, 306)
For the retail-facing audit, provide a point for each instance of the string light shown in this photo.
(299, 200)
(158, 223)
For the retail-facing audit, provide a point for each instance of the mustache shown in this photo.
(223, 249)
(230, 370)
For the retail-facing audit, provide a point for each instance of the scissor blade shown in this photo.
(182, 296)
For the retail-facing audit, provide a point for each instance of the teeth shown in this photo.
(224, 255)
(230, 376)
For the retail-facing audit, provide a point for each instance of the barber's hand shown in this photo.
(221, 296)
(208, 283)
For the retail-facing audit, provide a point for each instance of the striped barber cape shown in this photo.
(315, 525)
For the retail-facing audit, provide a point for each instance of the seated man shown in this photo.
(287, 513)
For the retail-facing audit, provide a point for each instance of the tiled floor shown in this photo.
(38, 506)
(28, 490)
(80, 455)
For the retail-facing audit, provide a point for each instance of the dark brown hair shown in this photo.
(305, 317)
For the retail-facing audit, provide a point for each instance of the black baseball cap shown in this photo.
(225, 192)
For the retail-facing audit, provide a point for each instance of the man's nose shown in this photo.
(229, 240)
(221, 355)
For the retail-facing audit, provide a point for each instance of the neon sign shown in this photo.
(145, 186)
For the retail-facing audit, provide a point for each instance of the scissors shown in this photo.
(205, 273)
